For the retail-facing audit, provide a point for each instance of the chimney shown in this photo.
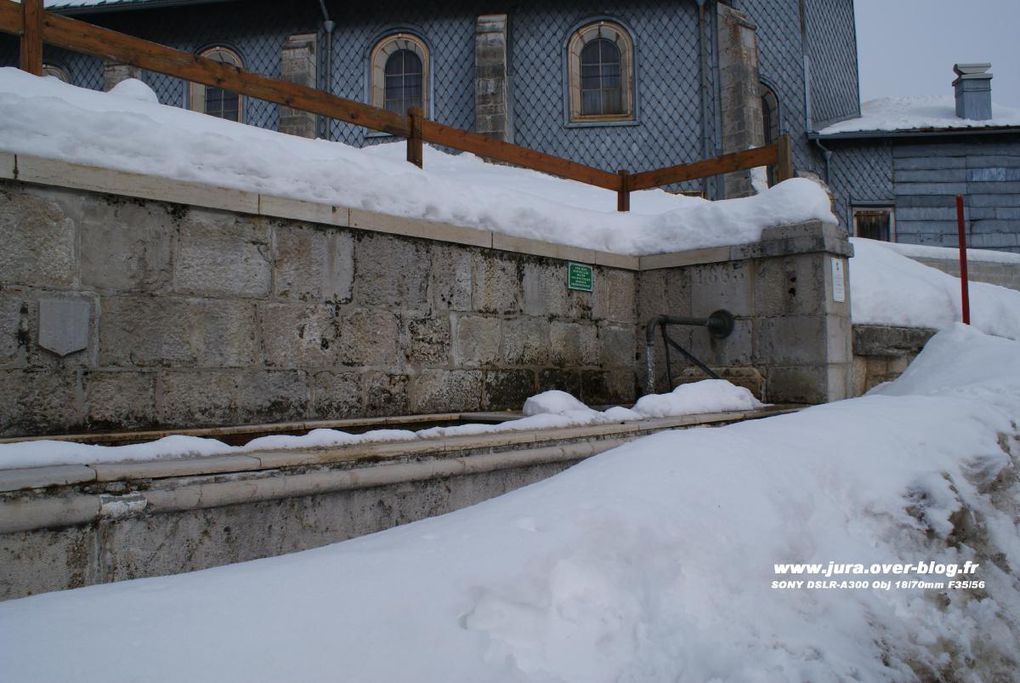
(973, 91)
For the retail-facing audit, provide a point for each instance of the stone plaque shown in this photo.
(64, 325)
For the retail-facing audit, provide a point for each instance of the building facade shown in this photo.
(636, 84)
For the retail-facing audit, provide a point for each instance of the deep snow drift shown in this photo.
(125, 130)
(651, 562)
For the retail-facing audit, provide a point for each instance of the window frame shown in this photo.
(619, 35)
(196, 91)
(858, 208)
(380, 53)
(56, 71)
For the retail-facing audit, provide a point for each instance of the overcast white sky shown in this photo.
(908, 47)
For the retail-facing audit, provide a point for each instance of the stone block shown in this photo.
(120, 399)
(223, 255)
(153, 331)
(524, 341)
(272, 396)
(573, 344)
(726, 286)
(15, 330)
(450, 278)
(196, 398)
(369, 338)
(312, 264)
(615, 296)
(595, 388)
(496, 284)
(440, 391)
(386, 394)
(299, 336)
(736, 349)
(391, 271)
(428, 341)
(544, 286)
(476, 341)
(126, 244)
(664, 292)
(39, 241)
(617, 346)
(34, 402)
(621, 386)
(889, 342)
(507, 389)
(792, 285)
(791, 340)
(797, 384)
(335, 395)
(562, 379)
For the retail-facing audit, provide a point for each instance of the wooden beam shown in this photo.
(784, 163)
(79, 36)
(623, 193)
(415, 151)
(11, 18)
(31, 36)
(490, 148)
(727, 163)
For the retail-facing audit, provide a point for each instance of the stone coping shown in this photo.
(354, 455)
(37, 170)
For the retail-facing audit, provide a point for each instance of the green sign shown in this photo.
(580, 276)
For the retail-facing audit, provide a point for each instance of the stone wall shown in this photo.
(994, 273)
(791, 341)
(883, 352)
(171, 304)
(202, 317)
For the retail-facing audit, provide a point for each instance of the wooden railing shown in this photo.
(37, 27)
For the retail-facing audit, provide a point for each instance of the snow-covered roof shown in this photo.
(891, 115)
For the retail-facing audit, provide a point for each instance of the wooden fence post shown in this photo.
(623, 194)
(31, 37)
(415, 153)
(784, 162)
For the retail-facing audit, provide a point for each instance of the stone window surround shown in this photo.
(381, 50)
(56, 71)
(615, 32)
(196, 91)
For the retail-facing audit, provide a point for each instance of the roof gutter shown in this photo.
(128, 5)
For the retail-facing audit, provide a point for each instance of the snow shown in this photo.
(54, 120)
(548, 410)
(950, 254)
(651, 562)
(134, 89)
(887, 288)
(918, 113)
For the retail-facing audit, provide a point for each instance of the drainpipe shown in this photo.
(328, 26)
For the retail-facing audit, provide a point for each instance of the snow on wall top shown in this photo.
(126, 131)
(891, 114)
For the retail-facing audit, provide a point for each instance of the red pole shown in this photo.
(964, 289)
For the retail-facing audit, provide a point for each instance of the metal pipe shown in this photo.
(964, 285)
(719, 324)
(827, 155)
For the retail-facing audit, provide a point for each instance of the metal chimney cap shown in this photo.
(977, 69)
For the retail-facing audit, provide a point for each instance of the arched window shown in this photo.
(770, 122)
(399, 73)
(215, 101)
(600, 61)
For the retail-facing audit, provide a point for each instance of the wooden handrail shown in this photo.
(727, 163)
(467, 141)
(37, 27)
(11, 18)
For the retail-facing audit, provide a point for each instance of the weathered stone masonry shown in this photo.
(206, 306)
(201, 316)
